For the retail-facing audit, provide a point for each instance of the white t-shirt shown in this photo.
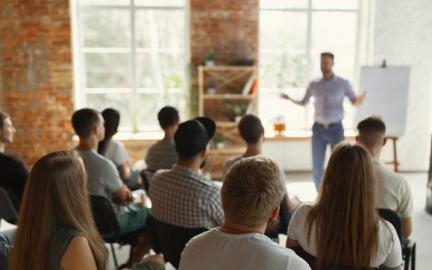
(216, 250)
(116, 152)
(393, 191)
(389, 251)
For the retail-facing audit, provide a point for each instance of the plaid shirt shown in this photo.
(185, 198)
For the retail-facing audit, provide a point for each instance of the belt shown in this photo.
(327, 126)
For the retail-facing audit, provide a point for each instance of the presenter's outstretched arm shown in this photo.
(298, 102)
(359, 100)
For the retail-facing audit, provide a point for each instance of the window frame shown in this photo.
(362, 12)
(135, 90)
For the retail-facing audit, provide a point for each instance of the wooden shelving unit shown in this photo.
(229, 95)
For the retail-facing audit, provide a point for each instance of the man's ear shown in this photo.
(357, 138)
(275, 214)
(384, 141)
(204, 152)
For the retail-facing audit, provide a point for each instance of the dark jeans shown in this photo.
(321, 137)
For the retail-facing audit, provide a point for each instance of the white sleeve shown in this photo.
(394, 258)
(295, 226)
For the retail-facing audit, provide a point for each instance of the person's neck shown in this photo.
(2, 147)
(87, 144)
(168, 135)
(328, 75)
(193, 164)
(234, 228)
(375, 153)
(252, 150)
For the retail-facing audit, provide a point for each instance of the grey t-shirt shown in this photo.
(103, 177)
(161, 155)
(214, 250)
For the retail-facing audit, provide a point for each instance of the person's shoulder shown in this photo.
(11, 161)
(78, 248)
(386, 232)
(201, 240)
(384, 172)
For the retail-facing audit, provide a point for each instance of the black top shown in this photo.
(13, 175)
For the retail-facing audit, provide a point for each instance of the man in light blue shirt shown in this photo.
(329, 93)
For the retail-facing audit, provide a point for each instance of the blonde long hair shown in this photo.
(56, 193)
(344, 216)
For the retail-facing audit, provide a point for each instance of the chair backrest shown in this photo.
(170, 240)
(312, 261)
(7, 208)
(394, 218)
(104, 217)
(146, 174)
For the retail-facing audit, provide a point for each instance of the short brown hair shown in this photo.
(371, 131)
(251, 190)
(328, 54)
(250, 128)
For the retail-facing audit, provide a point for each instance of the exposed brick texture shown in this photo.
(36, 74)
(229, 28)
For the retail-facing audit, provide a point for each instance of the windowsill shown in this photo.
(269, 134)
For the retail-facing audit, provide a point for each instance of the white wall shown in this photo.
(403, 36)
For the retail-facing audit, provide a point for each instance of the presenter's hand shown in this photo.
(285, 96)
(359, 100)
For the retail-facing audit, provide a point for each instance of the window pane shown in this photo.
(335, 32)
(284, 3)
(120, 102)
(160, 28)
(150, 104)
(107, 70)
(146, 76)
(282, 69)
(335, 4)
(271, 106)
(282, 30)
(173, 70)
(106, 28)
(105, 2)
(160, 3)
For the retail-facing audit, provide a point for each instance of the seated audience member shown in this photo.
(252, 132)
(6, 242)
(182, 196)
(251, 193)
(104, 180)
(13, 173)
(115, 150)
(343, 227)
(154, 262)
(55, 228)
(162, 154)
(394, 191)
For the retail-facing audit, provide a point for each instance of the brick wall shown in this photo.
(229, 28)
(36, 74)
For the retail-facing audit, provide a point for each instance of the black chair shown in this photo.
(107, 225)
(170, 240)
(408, 246)
(146, 174)
(281, 226)
(312, 261)
(7, 208)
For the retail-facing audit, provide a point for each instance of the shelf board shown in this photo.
(227, 68)
(226, 124)
(228, 96)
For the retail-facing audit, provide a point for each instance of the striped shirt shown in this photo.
(185, 198)
(161, 155)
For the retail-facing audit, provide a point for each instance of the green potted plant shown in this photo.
(210, 59)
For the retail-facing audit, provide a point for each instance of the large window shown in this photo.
(293, 33)
(130, 55)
